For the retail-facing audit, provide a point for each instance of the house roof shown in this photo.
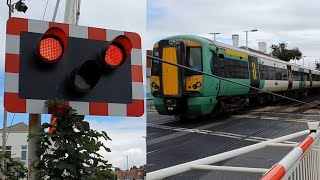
(18, 128)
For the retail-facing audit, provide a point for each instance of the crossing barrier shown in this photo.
(302, 162)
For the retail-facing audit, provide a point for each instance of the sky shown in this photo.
(127, 134)
(294, 22)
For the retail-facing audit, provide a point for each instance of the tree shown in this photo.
(15, 169)
(280, 51)
(71, 150)
(317, 66)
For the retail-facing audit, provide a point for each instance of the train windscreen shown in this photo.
(194, 59)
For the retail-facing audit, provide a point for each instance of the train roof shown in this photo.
(227, 46)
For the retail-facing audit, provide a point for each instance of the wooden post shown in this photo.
(34, 127)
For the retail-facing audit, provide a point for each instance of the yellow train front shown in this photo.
(181, 92)
(178, 91)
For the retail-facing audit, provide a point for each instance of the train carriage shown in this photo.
(181, 92)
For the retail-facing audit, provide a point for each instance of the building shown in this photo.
(17, 142)
(134, 173)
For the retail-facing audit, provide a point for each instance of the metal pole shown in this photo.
(247, 40)
(9, 6)
(34, 127)
(72, 11)
(4, 140)
(78, 12)
(5, 115)
(127, 168)
(55, 11)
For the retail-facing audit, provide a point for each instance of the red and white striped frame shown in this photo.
(12, 101)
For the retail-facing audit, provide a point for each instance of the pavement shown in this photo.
(171, 141)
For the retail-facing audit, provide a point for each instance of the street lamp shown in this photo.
(127, 167)
(214, 35)
(303, 60)
(253, 30)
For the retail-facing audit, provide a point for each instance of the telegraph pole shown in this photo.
(5, 115)
(71, 16)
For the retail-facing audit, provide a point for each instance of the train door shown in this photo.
(223, 85)
(310, 78)
(302, 78)
(171, 76)
(254, 73)
(289, 77)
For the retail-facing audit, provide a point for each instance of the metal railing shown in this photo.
(150, 105)
(303, 162)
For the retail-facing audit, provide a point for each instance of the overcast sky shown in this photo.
(294, 22)
(127, 134)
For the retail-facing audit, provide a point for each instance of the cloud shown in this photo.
(127, 139)
(290, 21)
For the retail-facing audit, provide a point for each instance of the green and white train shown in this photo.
(183, 93)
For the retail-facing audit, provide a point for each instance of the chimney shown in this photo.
(235, 40)
(263, 47)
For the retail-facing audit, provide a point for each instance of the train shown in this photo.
(185, 93)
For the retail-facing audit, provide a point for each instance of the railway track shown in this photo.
(291, 107)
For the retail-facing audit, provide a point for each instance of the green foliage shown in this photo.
(15, 169)
(71, 151)
(317, 66)
(280, 51)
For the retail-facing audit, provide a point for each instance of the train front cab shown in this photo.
(178, 91)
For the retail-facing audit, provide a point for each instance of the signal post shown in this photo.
(96, 71)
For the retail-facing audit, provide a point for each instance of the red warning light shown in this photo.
(116, 52)
(50, 49)
(114, 55)
(51, 46)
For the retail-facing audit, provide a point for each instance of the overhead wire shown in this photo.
(5, 143)
(45, 10)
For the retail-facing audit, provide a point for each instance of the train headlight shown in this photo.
(198, 84)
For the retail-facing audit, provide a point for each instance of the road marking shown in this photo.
(184, 131)
(178, 133)
(245, 116)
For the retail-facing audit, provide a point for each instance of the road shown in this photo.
(171, 141)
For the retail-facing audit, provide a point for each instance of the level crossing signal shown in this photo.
(96, 71)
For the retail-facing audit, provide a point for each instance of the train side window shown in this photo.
(155, 68)
(284, 73)
(306, 76)
(278, 76)
(272, 73)
(264, 72)
(237, 69)
(215, 64)
(295, 75)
